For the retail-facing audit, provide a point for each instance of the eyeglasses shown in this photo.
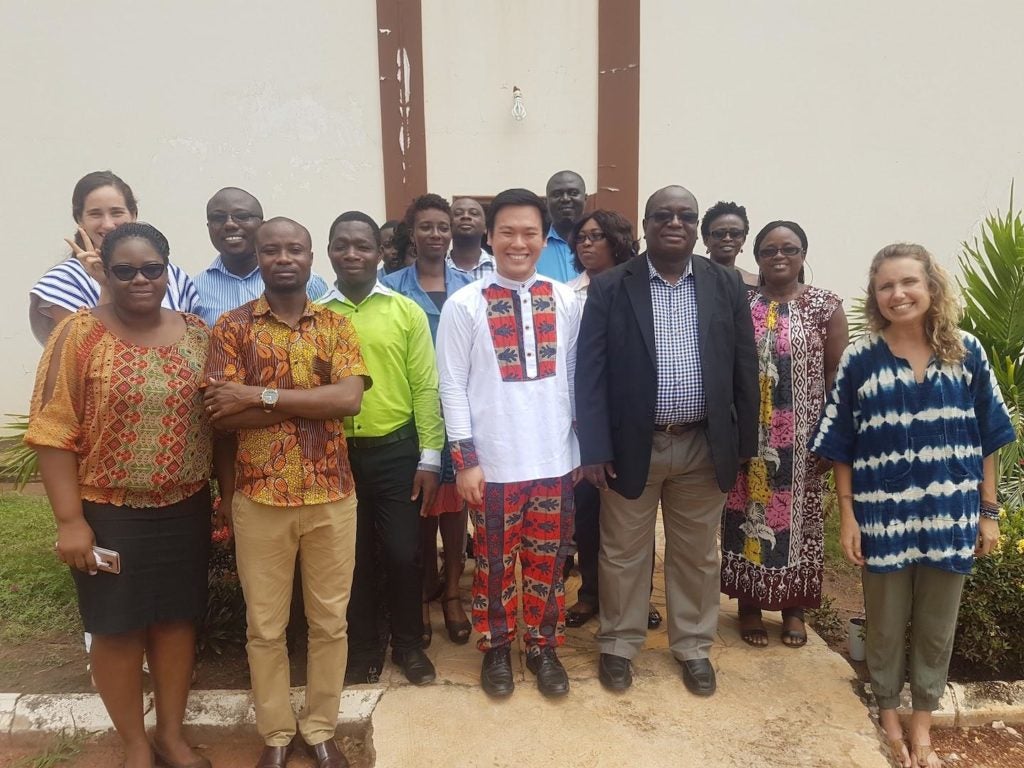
(662, 216)
(786, 250)
(594, 237)
(239, 218)
(721, 234)
(126, 273)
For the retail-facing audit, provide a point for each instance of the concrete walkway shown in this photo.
(774, 707)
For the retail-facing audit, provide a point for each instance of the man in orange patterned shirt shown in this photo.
(282, 375)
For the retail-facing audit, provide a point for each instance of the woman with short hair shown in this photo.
(124, 451)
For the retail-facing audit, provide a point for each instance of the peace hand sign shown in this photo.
(88, 256)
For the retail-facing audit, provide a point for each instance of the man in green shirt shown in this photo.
(394, 446)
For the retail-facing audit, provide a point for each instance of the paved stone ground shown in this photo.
(774, 707)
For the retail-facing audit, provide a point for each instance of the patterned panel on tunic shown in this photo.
(505, 321)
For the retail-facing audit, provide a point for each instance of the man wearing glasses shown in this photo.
(666, 400)
(232, 218)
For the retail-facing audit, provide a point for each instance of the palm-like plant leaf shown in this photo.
(17, 461)
(992, 282)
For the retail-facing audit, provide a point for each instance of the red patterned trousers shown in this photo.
(533, 521)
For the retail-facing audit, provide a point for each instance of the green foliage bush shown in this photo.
(990, 630)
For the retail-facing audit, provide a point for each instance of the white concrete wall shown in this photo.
(179, 99)
(473, 54)
(865, 122)
(868, 123)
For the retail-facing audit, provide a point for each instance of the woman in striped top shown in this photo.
(100, 202)
(913, 423)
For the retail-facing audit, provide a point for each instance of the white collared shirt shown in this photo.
(506, 355)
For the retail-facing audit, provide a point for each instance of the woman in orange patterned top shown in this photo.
(125, 453)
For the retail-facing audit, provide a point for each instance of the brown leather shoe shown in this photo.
(328, 755)
(274, 757)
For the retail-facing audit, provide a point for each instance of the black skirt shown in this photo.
(164, 560)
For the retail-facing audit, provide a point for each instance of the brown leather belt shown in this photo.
(680, 429)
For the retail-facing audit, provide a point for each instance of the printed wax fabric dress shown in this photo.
(772, 534)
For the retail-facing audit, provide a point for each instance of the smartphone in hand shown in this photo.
(107, 560)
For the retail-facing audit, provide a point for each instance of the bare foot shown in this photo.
(175, 749)
(752, 630)
(890, 722)
(138, 755)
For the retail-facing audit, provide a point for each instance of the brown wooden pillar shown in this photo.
(403, 135)
(618, 106)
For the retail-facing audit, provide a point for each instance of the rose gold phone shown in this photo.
(107, 560)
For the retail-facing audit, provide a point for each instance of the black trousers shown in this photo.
(387, 547)
(588, 539)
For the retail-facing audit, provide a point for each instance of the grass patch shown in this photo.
(37, 596)
(63, 747)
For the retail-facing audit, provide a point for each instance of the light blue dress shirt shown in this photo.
(221, 291)
(555, 260)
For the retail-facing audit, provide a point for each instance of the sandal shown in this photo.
(458, 631)
(921, 755)
(794, 638)
(898, 750)
(754, 636)
(653, 617)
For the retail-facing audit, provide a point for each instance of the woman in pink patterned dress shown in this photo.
(772, 532)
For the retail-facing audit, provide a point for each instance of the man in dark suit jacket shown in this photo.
(666, 404)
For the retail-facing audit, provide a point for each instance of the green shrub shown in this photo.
(990, 628)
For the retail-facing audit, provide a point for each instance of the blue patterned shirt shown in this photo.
(916, 450)
(677, 346)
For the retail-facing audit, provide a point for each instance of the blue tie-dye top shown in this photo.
(916, 450)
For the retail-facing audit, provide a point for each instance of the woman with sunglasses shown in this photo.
(772, 527)
(724, 230)
(599, 241)
(100, 202)
(124, 452)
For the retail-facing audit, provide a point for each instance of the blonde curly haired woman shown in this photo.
(913, 424)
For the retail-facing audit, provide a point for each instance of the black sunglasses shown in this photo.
(239, 218)
(721, 234)
(661, 216)
(126, 272)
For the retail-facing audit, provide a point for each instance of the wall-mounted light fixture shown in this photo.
(518, 109)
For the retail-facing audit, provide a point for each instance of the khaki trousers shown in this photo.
(682, 479)
(267, 540)
(929, 598)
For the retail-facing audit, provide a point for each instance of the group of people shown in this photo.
(525, 365)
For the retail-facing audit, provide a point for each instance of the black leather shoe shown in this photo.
(496, 673)
(274, 757)
(614, 672)
(417, 667)
(575, 618)
(328, 755)
(360, 671)
(552, 679)
(699, 676)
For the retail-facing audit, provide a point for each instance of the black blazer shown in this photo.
(616, 374)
